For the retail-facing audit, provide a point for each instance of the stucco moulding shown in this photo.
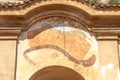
(19, 4)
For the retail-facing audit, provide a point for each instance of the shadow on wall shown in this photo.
(56, 73)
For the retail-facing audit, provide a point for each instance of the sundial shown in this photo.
(74, 42)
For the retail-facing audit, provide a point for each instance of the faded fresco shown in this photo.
(57, 41)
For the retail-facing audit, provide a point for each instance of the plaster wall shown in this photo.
(63, 44)
(7, 59)
(106, 68)
(108, 59)
(109, 64)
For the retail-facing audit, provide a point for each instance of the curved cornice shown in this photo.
(100, 22)
(39, 3)
(24, 3)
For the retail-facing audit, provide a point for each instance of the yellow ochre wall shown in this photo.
(108, 46)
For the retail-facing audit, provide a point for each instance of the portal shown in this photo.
(56, 73)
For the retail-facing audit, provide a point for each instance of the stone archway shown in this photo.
(56, 73)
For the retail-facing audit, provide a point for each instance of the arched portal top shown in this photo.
(56, 73)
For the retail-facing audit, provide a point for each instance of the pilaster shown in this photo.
(109, 57)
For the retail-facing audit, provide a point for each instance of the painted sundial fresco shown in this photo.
(56, 41)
